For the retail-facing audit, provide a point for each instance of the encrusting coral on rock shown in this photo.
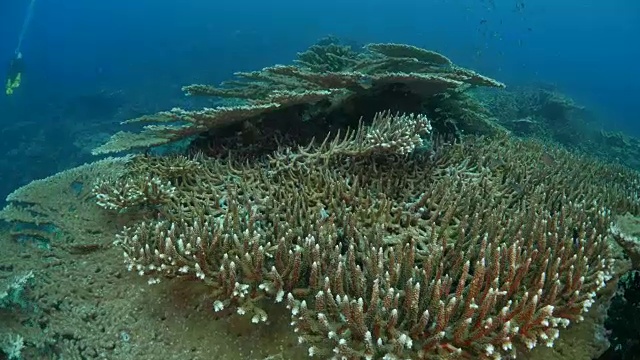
(626, 232)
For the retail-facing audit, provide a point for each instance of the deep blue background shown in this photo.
(149, 48)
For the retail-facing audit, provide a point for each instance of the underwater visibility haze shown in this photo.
(436, 179)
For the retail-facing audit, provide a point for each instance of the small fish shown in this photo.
(576, 237)
(365, 82)
(517, 188)
(547, 159)
(496, 164)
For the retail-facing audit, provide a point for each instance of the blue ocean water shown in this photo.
(88, 64)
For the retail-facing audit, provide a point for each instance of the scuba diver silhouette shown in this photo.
(14, 74)
(16, 66)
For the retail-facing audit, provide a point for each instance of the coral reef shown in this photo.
(12, 290)
(326, 82)
(626, 232)
(540, 111)
(452, 193)
(543, 112)
(387, 252)
(617, 147)
(46, 210)
(335, 210)
(13, 346)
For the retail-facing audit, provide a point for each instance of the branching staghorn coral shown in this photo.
(388, 133)
(125, 194)
(12, 347)
(234, 223)
(481, 299)
(329, 57)
(13, 289)
(478, 250)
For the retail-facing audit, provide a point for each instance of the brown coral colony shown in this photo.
(327, 187)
